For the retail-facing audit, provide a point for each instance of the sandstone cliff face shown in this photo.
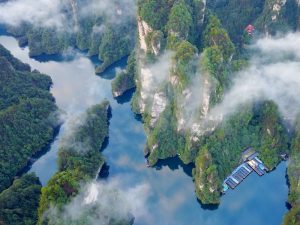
(158, 106)
(150, 40)
(145, 80)
(203, 12)
(276, 17)
(143, 30)
(151, 98)
(181, 115)
(144, 73)
(195, 105)
(206, 96)
(276, 8)
(153, 103)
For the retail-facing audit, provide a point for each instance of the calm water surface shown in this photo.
(171, 201)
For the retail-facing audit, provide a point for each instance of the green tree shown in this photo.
(180, 20)
(19, 203)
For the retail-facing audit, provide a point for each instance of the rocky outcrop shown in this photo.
(143, 30)
(204, 127)
(205, 96)
(174, 80)
(150, 40)
(145, 80)
(155, 42)
(203, 11)
(158, 106)
(276, 8)
(196, 118)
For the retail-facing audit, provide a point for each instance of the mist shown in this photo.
(62, 14)
(47, 13)
(100, 202)
(273, 74)
(154, 75)
(194, 101)
(116, 11)
(72, 122)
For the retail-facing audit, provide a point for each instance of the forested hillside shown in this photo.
(105, 32)
(185, 56)
(202, 45)
(79, 162)
(27, 115)
(19, 203)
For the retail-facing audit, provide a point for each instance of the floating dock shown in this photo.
(257, 165)
(251, 163)
(238, 175)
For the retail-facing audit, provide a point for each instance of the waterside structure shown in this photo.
(251, 162)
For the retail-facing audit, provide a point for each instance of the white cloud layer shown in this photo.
(46, 13)
(63, 14)
(100, 202)
(273, 74)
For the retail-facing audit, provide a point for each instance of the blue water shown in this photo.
(170, 198)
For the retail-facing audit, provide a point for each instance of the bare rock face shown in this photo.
(145, 73)
(276, 8)
(194, 110)
(206, 96)
(203, 11)
(202, 128)
(143, 29)
(156, 48)
(158, 106)
(174, 80)
(155, 44)
(150, 40)
(146, 81)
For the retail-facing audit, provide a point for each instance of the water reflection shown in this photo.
(55, 57)
(75, 88)
(174, 164)
(171, 199)
(126, 97)
(110, 72)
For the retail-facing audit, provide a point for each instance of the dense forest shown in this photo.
(28, 118)
(209, 43)
(27, 115)
(95, 33)
(79, 160)
(19, 203)
(199, 46)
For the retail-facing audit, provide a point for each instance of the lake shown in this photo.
(171, 199)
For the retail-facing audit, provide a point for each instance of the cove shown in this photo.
(171, 201)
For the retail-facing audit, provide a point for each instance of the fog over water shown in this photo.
(60, 14)
(162, 195)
